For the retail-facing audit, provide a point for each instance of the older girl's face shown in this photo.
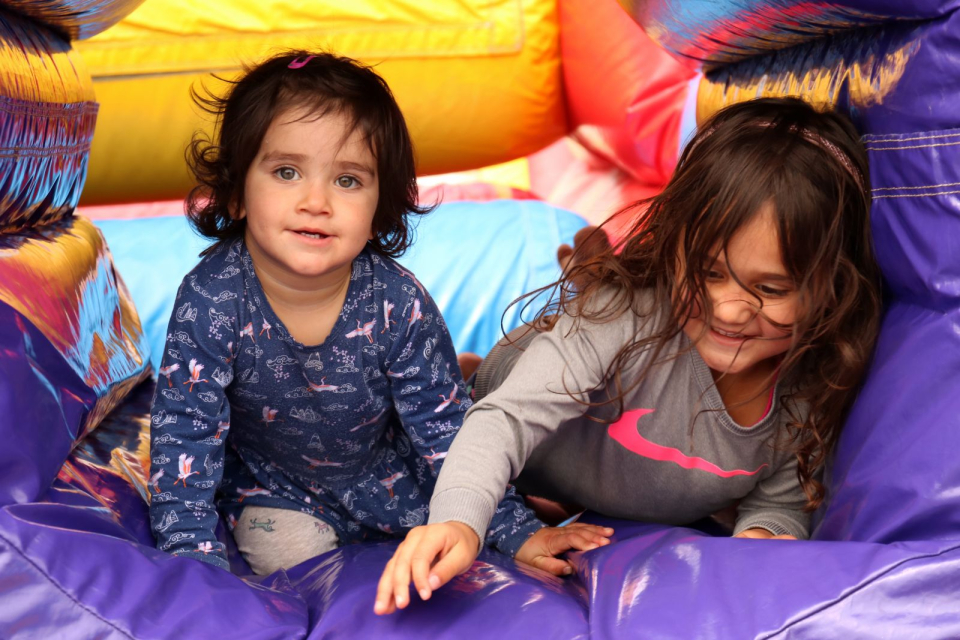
(741, 339)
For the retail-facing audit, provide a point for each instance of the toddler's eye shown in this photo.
(714, 275)
(286, 173)
(347, 182)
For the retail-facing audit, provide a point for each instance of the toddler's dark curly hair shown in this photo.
(320, 83)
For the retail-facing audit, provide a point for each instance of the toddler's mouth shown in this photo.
(316, 235)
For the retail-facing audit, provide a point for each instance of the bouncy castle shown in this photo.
(531, 119)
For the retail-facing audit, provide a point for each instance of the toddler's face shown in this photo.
(310, 196)
(740, 338)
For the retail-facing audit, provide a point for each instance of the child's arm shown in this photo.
(492, 447)
(430, 399)
(189, 421)
(547, 388)
(774, 508)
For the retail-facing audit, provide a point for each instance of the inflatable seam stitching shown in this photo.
(927, 186)
(898, 137)
(916, 146)
(916, 195)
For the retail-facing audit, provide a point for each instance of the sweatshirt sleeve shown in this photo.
(776, 504)
(546, 388)
(188, 425)
(430, 398)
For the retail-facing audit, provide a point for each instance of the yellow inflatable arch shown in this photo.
(479, 81)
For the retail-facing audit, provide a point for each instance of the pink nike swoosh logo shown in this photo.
(624, 431)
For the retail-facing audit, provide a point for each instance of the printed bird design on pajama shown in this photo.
(447, 400)
(195, 369)
(366, 330)
(166, 372)
(185, 462)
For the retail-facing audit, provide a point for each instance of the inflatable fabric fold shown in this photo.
(894, 78)
(72, 349)
(47, 116)
(76, 19)
(725, 31)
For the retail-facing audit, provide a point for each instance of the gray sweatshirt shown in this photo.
(673, 457)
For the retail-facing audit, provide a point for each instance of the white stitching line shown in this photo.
(919, 146)
(929, 186)
(917, 195)
(891, 138)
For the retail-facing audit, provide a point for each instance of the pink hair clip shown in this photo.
(297, 63)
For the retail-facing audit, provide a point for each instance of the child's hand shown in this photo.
(453, 545)
(542, 547)
(762, 534)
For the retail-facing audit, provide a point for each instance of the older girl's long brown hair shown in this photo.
(747, 155)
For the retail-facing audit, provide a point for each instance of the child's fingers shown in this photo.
(599, 535)
(552, 565)
(401, 575)
(762, 534)
(574, 540)
(384, 603)
(421, 547)
(582, 537)
(457, 560)
(420, 568)
(592, 528)
(427, 551)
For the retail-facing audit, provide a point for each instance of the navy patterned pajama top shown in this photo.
(352, 431)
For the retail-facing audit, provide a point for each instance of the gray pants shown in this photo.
(271, 539)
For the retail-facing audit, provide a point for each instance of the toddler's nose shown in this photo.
(314, 199)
